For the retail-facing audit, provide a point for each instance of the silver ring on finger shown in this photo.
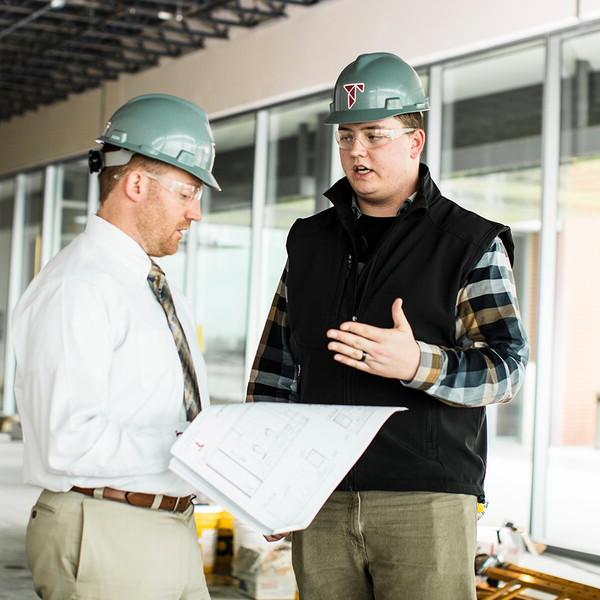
(363, 357)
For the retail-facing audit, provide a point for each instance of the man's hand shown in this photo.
(276, 537)
(392, 353)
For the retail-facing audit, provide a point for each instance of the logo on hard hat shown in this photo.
(351, 89)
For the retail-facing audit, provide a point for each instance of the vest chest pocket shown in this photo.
(314, 299)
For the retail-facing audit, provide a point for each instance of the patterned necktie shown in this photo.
(160, 287)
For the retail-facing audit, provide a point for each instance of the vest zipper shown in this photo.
(348, 265)
(350, 372)
(298, 380)
(385, 242)
(349, 261)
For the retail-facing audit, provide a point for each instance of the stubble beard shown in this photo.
(153, 228)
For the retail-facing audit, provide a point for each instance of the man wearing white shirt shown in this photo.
(108, 374)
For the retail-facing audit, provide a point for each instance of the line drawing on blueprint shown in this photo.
(254, 446)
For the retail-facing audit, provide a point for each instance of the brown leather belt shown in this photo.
(154, 501)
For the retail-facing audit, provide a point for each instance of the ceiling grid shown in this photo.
(52, 48)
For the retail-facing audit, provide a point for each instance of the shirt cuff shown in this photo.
(429, 369)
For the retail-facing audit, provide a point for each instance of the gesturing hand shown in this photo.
(392, 353)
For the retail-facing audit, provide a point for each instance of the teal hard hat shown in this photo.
(165, 128)
(376, 86)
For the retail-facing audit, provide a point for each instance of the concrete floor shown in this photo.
(15, 503)
(16, 500)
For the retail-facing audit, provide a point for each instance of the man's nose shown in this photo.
(358, 148)
(194, 212)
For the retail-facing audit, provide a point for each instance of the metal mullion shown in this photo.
(58, 210)
(434, 123)
(191, 263)
(547, 282)
(73, 204)
(92, 195)
(336, 172)
(259, 198)
(15, 278)
(48, 214)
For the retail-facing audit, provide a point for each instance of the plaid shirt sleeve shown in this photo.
(487, 364)
(272, 376)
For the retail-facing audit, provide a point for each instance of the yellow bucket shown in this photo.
(207, 521)
(224, 544)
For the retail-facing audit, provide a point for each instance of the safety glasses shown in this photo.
(368, 138)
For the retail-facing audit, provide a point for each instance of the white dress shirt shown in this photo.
(99, 384)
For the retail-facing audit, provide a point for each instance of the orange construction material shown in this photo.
(514, 581)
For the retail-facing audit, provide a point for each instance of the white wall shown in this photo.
(285, 58)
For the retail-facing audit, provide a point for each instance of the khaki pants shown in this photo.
(388, 546)
(87, 549)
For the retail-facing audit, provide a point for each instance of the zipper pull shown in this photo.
(348, 265)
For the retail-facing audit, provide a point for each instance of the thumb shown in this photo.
(400, 320)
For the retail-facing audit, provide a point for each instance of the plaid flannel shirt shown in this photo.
(485, 366)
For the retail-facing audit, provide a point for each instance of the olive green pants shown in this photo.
(388, 546)
(87, 549)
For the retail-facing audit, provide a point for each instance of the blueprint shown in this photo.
(274, 464)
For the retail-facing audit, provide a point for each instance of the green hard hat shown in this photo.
(376, 86)
(165, 128)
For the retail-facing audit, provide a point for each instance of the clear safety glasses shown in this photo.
(368, 138)
(188, 192)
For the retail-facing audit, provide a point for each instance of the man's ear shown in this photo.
(417, 143)
(136, 186)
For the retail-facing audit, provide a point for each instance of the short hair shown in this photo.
(413, 120)
(108, 177)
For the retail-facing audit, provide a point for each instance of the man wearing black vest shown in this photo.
(395, 296)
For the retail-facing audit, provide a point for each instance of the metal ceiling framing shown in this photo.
(52, 48)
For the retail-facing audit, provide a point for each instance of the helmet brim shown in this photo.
(366, 115)
(204, 176)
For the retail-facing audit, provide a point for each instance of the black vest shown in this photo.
(425, 258)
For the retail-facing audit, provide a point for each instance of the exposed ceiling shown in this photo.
(52, 48)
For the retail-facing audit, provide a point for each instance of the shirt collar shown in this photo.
(119, 248)
(405, 205)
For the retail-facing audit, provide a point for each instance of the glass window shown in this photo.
(223, 260)
(491, 152)
(72, 202)
(573, 486)
(424, 75)
(298, 173)
(32, 227)
(7, 193)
